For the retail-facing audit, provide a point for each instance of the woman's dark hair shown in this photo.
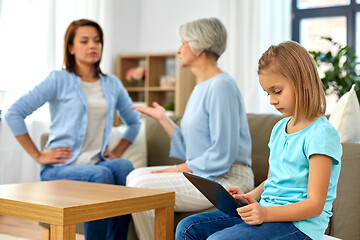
(69, 59)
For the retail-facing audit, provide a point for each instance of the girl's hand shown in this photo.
(179, 168)
(157, 111)
(252, 214)
(234, 191)
(109, 154)
(50, 156)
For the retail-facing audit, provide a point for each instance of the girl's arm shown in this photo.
(256, 192)
(237, 193)
(312, 206)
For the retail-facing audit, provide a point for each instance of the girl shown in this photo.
(82, 103)
(295, 200)
(214, 137)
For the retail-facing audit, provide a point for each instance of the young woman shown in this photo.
(82, 103)
(295, 200)
(214, 137)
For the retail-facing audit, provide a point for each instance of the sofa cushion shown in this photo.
(346, 117)
(137, 151)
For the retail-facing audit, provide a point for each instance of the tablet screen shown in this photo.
(216, 194)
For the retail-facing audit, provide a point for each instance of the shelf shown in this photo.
(165, 80)
(135, 89)
(161, 89)
(151, 89)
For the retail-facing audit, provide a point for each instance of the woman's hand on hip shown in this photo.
(50, 156)
(156, 111)
(109, 154)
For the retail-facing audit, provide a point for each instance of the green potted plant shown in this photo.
(341, 69)
(169, 106)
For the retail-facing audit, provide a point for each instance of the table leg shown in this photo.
(67, 232)
(164, 223)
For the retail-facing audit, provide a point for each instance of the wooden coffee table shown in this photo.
(65, 203)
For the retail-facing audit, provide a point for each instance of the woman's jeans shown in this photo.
(218, 225)
(108, 172)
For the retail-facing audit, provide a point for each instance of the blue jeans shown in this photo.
(218, 225)
(108, 172)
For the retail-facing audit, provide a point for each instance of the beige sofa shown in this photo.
(345, 223)
(346, 219)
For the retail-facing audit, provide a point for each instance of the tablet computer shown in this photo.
(216, 194)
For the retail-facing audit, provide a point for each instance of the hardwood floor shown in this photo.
(20, 227)
(23, 228)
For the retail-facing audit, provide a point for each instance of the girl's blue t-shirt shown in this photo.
(289, 169)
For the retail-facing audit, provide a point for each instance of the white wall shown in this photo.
(124, 35)
(160, 20)
(151, 26)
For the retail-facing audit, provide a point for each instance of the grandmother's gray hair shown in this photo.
(205, 35)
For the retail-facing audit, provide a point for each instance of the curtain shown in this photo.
(32, 37)
(31, 45)
(252, 27)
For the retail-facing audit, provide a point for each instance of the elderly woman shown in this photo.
(214, 138)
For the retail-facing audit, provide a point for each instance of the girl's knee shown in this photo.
(180, 230)
(186, 228)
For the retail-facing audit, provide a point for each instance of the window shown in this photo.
(338, 19)
(31, 42)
